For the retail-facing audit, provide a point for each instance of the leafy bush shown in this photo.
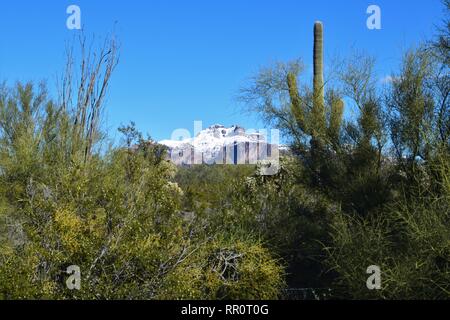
(115, 213)
(410, 242)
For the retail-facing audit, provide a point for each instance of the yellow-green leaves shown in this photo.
(296, 103)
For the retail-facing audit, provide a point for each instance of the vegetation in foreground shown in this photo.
(374, 191)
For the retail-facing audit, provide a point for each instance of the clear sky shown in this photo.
(183, 60)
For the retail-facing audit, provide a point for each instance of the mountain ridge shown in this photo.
(220, 144)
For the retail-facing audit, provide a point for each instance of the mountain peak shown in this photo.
(210, 142)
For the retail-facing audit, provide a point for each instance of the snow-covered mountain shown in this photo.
(221, 145)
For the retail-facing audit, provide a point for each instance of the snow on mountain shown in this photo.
(219, 144)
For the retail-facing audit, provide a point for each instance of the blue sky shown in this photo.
(183, 61)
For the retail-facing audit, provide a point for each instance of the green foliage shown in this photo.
(336, 117)
(412, 106)
(226, 269)
(116, 214)
(351, 193)
(296, 103)
(381, 179)
(209, 186)
(410, 242)
(280, 210)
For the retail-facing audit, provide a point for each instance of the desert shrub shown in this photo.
(114, 212)
(290, 219)
(409, 241)
(227, 269)
(210, 186)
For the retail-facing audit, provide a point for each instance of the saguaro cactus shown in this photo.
(318, 110)
(314, 123)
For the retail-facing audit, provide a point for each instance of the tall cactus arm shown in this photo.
(296, 103)
(336, 117)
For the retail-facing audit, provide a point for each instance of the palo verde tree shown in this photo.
(409, 237)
